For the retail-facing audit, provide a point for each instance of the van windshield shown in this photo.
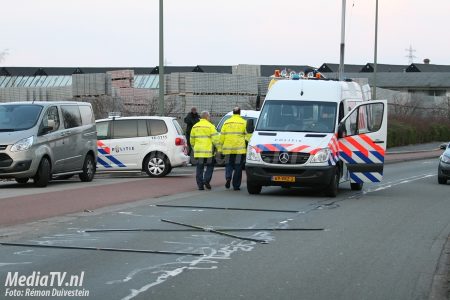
(298, 116)
(17, 117)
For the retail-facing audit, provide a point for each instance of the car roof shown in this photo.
(137, 118)
(247, 113)
(46, 103)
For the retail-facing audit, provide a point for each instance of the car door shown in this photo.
(72, 137)
(105, 160)
(362, 138)
(50, 133)
(126, 145)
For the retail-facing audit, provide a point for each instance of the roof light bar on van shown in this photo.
(308, 74)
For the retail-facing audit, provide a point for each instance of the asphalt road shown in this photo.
(382, 243)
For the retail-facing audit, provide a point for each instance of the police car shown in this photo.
(151, 144)
(317, 133)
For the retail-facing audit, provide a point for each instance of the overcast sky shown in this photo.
(117, 33)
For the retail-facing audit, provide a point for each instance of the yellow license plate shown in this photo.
(283, 178)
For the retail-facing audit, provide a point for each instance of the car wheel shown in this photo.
(43, 174)
(22, 180)
(333, 188)
(88, 169)
(157, 165)
(442, 180)
(356, 186)
(253, 189)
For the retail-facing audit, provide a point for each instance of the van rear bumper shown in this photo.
(309, 177)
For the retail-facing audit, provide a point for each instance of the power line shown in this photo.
(410, 55)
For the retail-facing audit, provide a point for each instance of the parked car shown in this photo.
(247, 115)
(151, 144)
(444, 164)
(44, 140)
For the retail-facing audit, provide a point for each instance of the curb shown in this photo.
(409, 152)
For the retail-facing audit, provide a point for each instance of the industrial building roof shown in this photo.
(427, 68)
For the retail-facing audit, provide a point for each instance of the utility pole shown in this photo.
(374, 89)
(341, 62)
(161, 60)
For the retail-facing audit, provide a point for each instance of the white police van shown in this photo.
(151, 144)
(317, 133)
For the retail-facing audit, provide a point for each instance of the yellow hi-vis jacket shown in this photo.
(234, 135)
(203, 137)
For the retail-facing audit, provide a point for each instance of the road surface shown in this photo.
(385, 242)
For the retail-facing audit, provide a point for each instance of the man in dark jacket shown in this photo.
(190, 121)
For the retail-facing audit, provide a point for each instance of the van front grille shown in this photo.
(5, 160)
(273, 157)
(3, 147)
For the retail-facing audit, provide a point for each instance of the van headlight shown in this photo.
(22, 145)
(445, 159)
(252, 154)
(321, 156)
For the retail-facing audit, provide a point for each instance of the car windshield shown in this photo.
(298, 116)
(219, 127)
(18, 117)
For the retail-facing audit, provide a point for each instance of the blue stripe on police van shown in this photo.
(262, 147)
(377, 155)
(115, 161)
(363, 157)
(103, 163)
(346, 158)
(279, 147)
(371, 177)
(355, 178)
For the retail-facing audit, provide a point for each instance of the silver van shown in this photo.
(45, 140)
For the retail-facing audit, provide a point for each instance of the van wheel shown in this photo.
(22, 180)
(253, 189)
(157, 165)
(88, 169)
(43, 173)
(356, 186)
(333, 188)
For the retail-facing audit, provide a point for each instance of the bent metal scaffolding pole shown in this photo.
(100, 249)
(216, 232)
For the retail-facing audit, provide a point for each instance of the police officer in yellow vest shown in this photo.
(233, 137)
(204, 137)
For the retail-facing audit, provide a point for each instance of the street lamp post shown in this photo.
(341, 62)
(161, 60)
(374, 88)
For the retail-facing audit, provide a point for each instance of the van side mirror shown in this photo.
(443, 146)
(341, 131)
(250, 126)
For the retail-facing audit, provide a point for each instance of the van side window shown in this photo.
(51, 119)
(142, 128)
(87, 117)
(367, 118)
(103, 130)
(157, 127)
(123, 129)
(71, 116)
